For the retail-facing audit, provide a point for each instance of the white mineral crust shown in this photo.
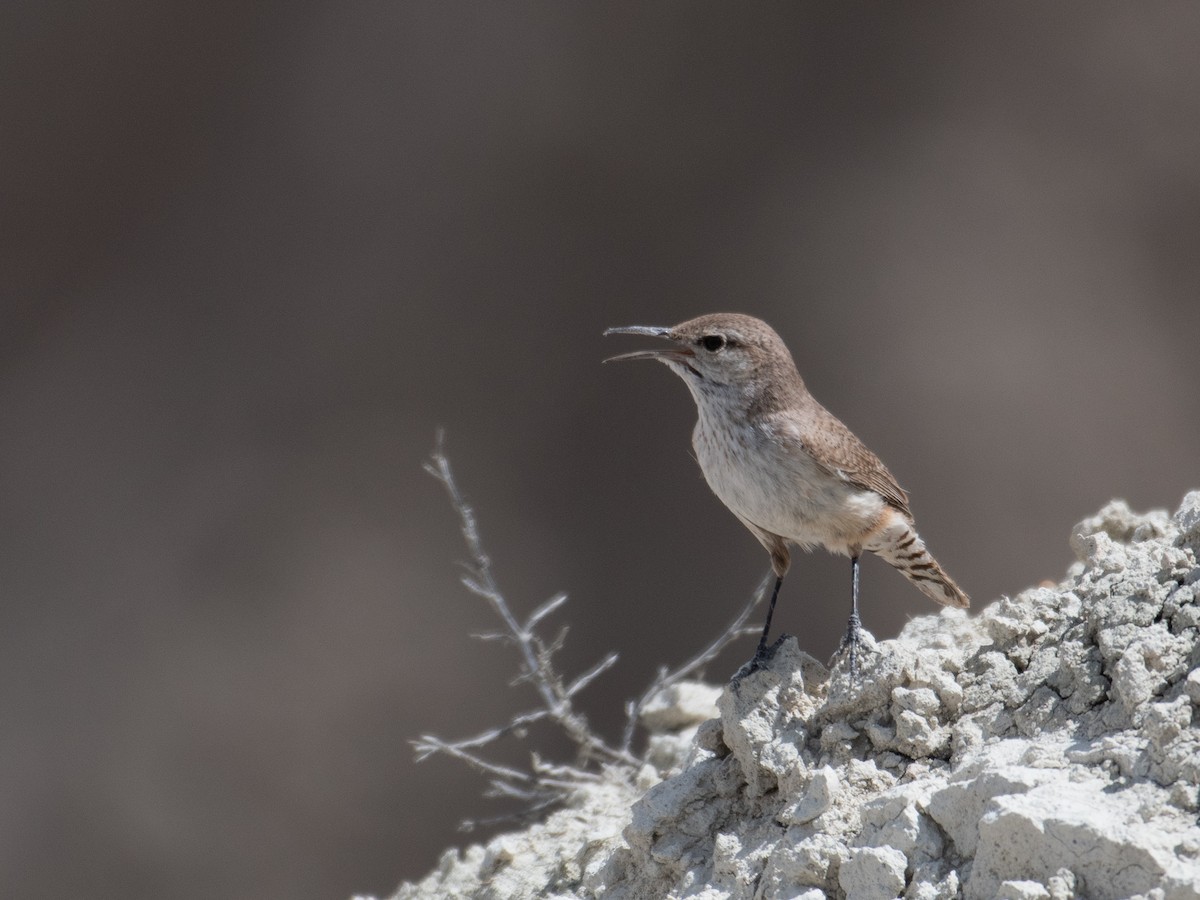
(1048, 747)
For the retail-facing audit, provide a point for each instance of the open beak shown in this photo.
(652, 331)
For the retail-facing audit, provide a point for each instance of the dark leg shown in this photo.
(854, 627)
(762, 643)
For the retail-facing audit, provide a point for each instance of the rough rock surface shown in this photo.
(1048, 747)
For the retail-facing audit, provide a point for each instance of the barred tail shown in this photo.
(898, 543)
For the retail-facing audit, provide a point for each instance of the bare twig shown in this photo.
(537, 669)
(514, 725)
(591, 674)
(428, 745)
(736, 629)
(544, 610)
(545, 784)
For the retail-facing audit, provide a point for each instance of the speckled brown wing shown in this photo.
(841, 454)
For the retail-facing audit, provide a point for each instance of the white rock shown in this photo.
(1062, 885)
(817, 798)
(873, 873)
(1022, 890)
(958, 806)
(801, 860)
(1187, 519)
(1192, 686)
(896, 818)
(680, 705)
(1082, 826)
(1048, 747)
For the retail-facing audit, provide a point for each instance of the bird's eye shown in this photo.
(712, 342)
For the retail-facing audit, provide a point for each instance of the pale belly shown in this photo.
(785, 494)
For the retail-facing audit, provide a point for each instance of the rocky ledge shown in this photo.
(1047, 747)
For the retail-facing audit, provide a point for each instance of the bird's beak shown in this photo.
(652, 331)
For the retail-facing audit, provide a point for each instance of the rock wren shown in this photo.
(784, 465)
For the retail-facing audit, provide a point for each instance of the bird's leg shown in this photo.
(761, 653)
(853, 635)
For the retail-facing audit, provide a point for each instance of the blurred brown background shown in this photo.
(254, 254)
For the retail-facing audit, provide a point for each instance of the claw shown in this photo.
(850, 643)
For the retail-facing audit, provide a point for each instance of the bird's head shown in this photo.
(718, 352)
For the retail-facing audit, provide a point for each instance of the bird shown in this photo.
(784, 465)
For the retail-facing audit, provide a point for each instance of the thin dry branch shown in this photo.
(427, 745)
(667, 677)
(536, 655)
(513, 726)
(545, 784)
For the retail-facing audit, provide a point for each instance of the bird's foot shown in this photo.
(762, 657)
(851, 642)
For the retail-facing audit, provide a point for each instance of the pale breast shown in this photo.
(780, 487)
